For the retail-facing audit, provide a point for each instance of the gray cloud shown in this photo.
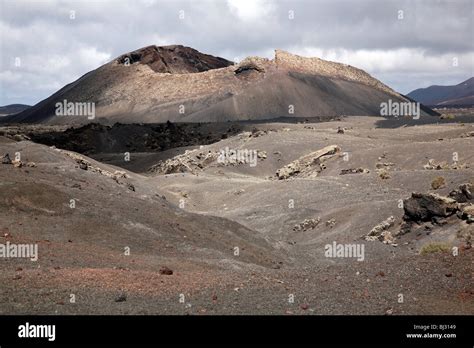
(405, 53)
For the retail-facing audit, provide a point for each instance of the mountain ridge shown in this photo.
(437, 95)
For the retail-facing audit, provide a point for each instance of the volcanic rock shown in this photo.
(307, 224)
(166, 271)
(308, 165)
(354, 171)
(425, 206)
(17, 163)
(190, 161)
(467, 213)
(121, 298)
(6, 159)
(376, 233)
(462, 194)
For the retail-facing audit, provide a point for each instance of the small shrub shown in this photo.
(435, 247)
(448, 117)
(438, 183)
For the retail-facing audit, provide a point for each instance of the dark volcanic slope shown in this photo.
(176, 83)
(174, 59)
(95, 138)
(460, 94)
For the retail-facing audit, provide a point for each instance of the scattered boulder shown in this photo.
(190, 161)
(244, 135)
(121, 298)
(308, 165)
(6, 159)
(468, 134)
(462, 194)
(166, 271)
(262, 155)
(258, 132)
(83, 165)
(425, 206)
(307, 224)
(86, 165)
(354, 171)
(17, 163)
(433, 165)
(467, 213)
(379, 232)
(383, 174)
(387, 237)
(380, 165)
(331, 223)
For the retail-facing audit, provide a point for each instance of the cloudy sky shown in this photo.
(407, 44)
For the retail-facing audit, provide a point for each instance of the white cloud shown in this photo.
(8, 76)
(251, 10)
(397, 60)
(56, 50)
(91, 58)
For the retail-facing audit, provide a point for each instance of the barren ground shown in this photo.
(192, 221)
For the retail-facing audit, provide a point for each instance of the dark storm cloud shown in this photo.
(409, 52)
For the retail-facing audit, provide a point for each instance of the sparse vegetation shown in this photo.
(447, 117)
(435, 247)
(438, 183)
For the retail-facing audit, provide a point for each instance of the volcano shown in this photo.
(180, 84)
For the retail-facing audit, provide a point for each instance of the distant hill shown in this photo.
(457, 95)
(180, 84)
(12, 109)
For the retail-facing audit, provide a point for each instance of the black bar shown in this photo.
(223, 330)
